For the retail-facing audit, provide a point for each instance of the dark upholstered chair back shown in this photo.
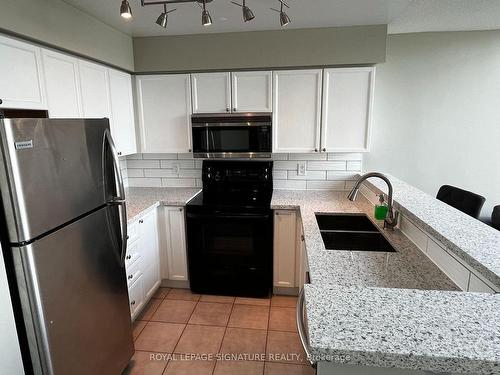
(463, 200)
(495, 217)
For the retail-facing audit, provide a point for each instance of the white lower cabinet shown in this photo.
(285, 236)
(136, 297)
(175, 236)
(142, 262)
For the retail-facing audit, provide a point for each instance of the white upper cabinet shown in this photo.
(95, 90)
(21, 77)
(252, 92)
(164, 104)
(62, 85)
(347, 103)
(122, 112)
(211, 92)
(297, 110)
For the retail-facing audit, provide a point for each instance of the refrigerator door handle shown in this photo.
(116, 163)
(119, 199)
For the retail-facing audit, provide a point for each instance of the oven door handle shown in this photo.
(229, 216)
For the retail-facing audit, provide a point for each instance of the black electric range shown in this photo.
(230, 229)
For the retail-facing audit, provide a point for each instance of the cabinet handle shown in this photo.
(130, 277)
(324, 150)
(119, 153)
(129, 257)
(190, 150)
(227, 109)
(141, 221)
(234, 109)
(315, 150)
(132, 303)
(180, 209)
(1, 101)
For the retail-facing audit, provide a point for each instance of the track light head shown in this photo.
(247, 14)
(284, 19)
(125, 10)
(206, 20)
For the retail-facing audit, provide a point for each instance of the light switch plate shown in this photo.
(301, 169)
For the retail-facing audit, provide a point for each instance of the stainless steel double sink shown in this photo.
(353, 232)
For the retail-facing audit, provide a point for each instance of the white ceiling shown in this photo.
(447, 15)
(402, 16)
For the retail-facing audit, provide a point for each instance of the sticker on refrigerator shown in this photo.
(24, 144)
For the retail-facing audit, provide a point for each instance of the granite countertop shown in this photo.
(406, 328)
(389, 309)
(139, 200)
(471, 240)
(408, 267)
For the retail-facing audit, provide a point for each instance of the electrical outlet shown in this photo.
(301, 169)
(176, 168)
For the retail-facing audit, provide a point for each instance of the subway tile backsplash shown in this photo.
(332, 171)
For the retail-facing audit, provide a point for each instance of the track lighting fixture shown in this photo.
(125, 10)
(284, 19)
(163, 18)
(247, 13)
(206, 18)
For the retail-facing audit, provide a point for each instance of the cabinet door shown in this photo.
(95, 90)
(211, 92)
(136, 297)
(165, 113)
(285, 226)
(150, 254)
(62, 85)
(176, 243)
(122, 112)
(347, 103)
(21, 82)
(252, 91)
(296, 110)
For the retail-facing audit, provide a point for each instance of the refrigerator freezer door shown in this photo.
(53, 171)
(74, 298)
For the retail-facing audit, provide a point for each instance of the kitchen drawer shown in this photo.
(136, 297)
(411, 231)
(477, 285)
(133, 253)
(134, 271)
(448, 264)
(133, 231)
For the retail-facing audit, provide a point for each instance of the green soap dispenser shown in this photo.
(381, 208)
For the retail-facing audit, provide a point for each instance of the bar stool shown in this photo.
(495, 217)
(463, 200)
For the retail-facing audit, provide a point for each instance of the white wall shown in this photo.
(437, 112)
(10, 362)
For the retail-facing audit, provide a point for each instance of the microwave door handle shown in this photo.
(119, 199)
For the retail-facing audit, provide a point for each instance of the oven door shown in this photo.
(231, 140)
(230, 253)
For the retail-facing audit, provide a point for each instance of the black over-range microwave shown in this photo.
(232, 135)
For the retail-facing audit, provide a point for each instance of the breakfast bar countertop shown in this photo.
(389, 309)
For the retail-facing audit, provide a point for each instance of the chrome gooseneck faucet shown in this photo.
(391, 220)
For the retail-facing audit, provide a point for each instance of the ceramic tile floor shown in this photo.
(195, 334)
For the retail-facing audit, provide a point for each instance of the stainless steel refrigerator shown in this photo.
(64, 234)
